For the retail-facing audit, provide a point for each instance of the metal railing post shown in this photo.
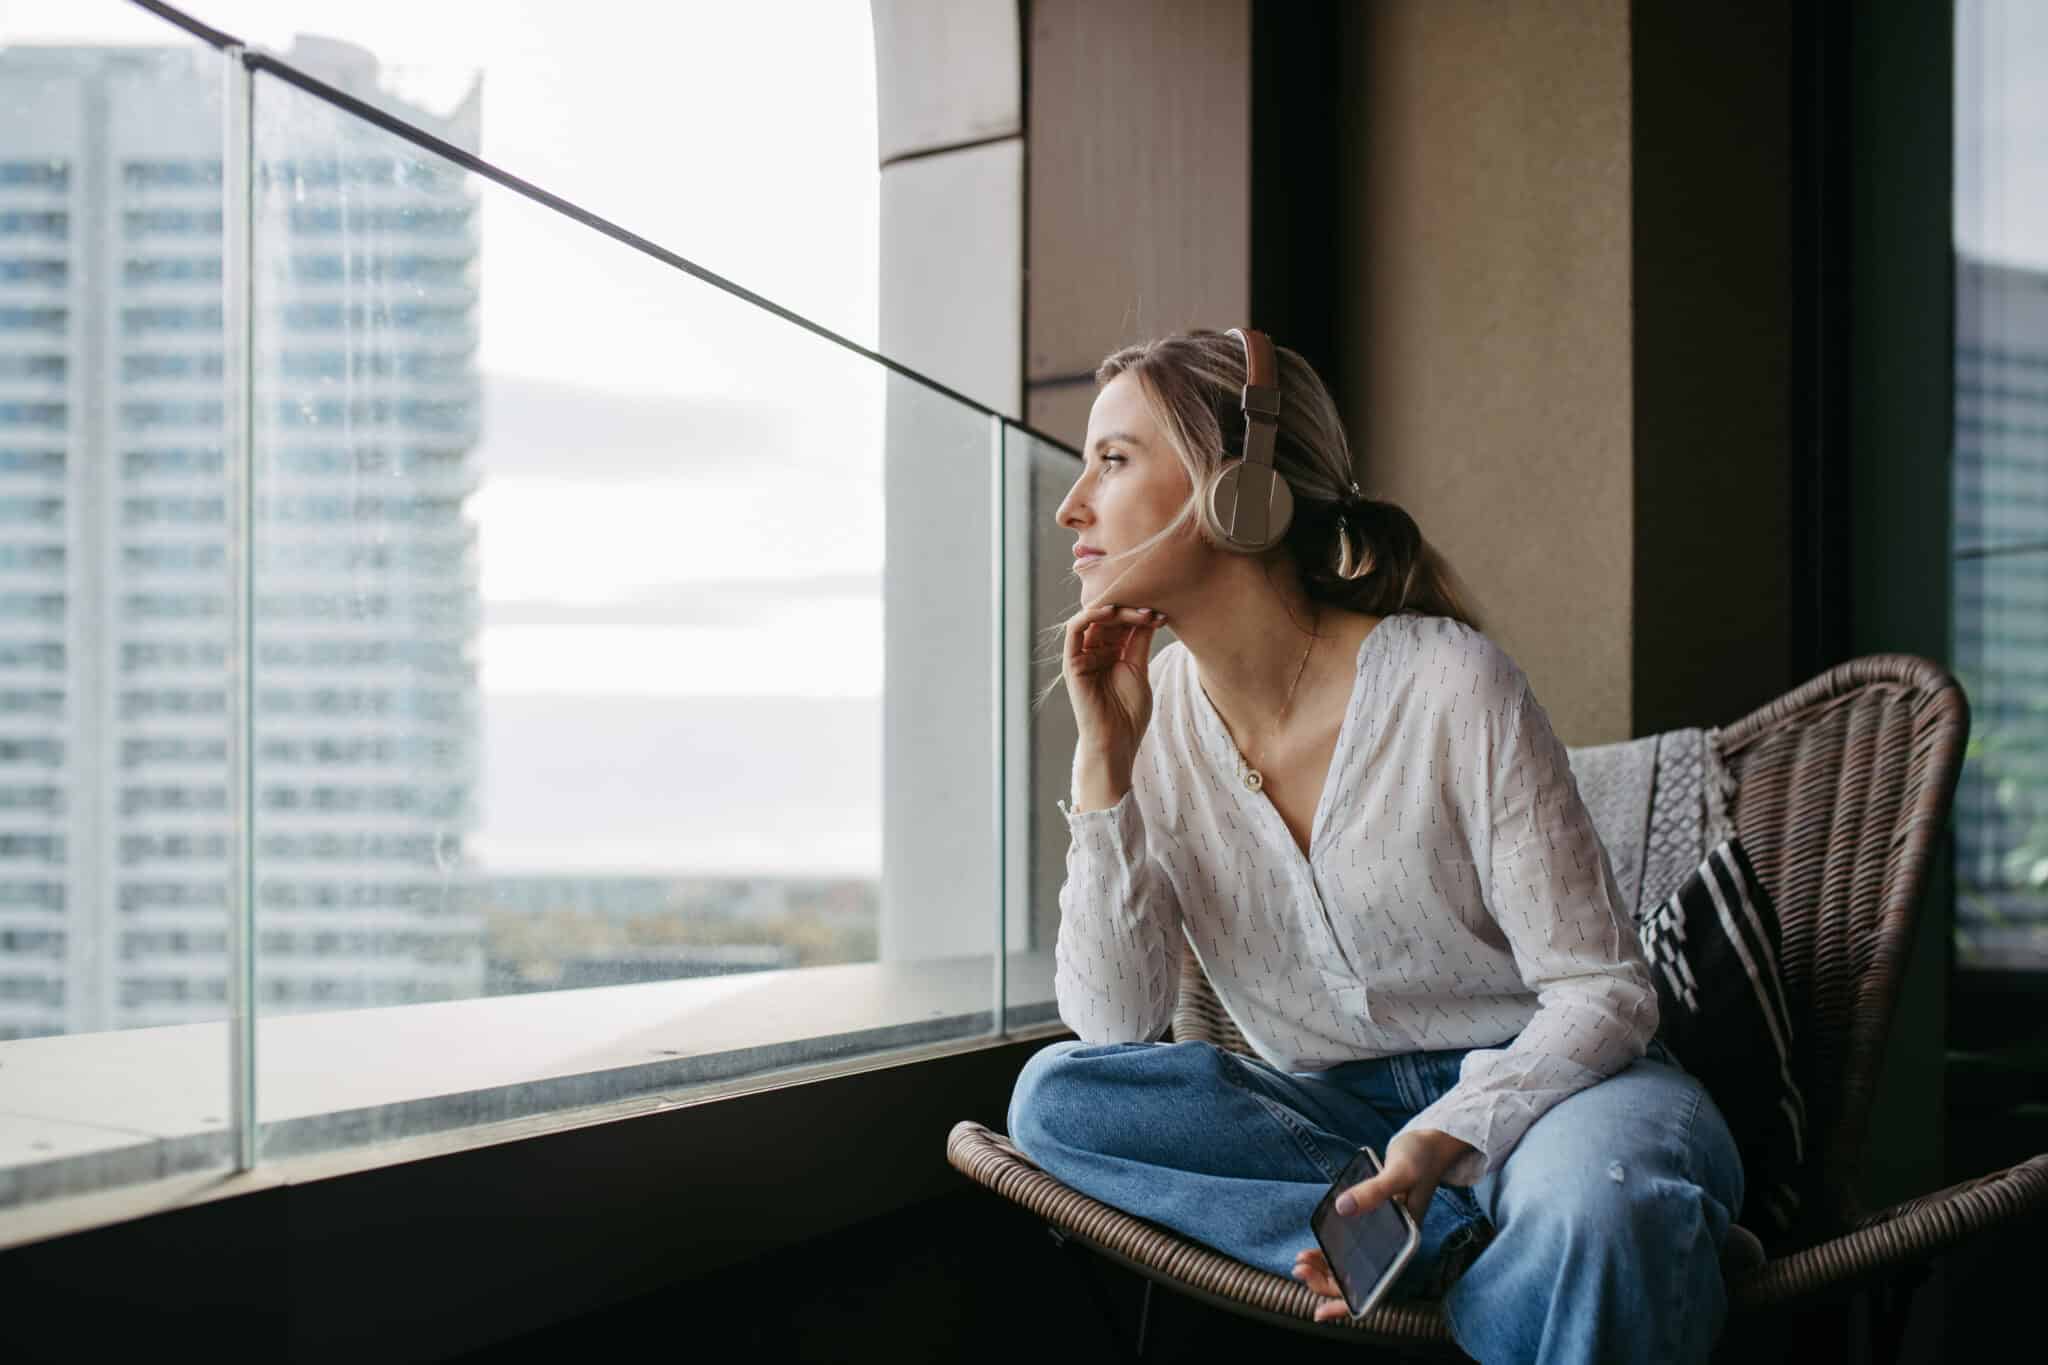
(238, 418)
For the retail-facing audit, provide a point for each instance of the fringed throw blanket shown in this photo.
(1660, 804)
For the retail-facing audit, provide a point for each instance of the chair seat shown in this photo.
(991, 1159)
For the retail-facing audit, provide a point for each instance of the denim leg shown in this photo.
(1610, 1211)
(1221, 1148)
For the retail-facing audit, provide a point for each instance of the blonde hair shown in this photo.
(1366, 557)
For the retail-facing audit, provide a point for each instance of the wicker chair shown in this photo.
(1844, 786)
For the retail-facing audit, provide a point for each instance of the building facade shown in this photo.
(116, 606)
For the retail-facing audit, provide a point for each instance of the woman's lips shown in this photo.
(1083, 560)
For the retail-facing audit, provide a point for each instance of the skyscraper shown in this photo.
(115, 600)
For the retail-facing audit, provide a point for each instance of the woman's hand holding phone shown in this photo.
(1312, 1268)
(1415, 1164)
(1107, 665)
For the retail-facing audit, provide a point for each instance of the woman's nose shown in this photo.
(1069, 505)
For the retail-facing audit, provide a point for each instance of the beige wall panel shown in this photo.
(946, 72)
(1140, 217)
(952, 270)
(1489, 319)
(1061, 410)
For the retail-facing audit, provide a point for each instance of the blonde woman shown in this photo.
(1347, 802)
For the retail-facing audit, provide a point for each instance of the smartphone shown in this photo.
(1366, 1251)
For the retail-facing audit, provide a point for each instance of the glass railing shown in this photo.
(392, 742)
(117, 923)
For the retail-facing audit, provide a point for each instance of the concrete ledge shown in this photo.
(90, 1112)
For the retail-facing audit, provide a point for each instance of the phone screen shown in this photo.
(1363, 1249)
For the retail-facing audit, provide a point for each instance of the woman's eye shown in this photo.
(1108, 457)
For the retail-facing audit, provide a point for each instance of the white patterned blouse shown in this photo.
(1455, 893)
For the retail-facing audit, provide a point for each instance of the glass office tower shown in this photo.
(115, 598)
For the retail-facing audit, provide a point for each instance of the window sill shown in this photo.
(85, 1117)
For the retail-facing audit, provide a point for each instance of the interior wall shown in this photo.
(1566, 298)
(1138, 203)
(1485, 319)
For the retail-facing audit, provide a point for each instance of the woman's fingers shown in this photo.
(1367, 1195)
(1313, 1270)
(1402, 1176)
(1117, 614)
(1311, 1267)
(1137, 645)
(1102, 633)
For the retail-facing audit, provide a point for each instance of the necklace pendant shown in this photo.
(1252, 780)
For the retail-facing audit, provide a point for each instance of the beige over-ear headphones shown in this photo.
(1248, 498)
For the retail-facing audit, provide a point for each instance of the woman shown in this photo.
(1353, 810)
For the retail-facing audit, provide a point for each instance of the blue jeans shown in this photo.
(1598, 1238)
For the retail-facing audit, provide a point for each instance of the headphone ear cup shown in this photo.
(1252, 505)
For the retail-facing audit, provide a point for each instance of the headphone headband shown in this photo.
(1249, 499)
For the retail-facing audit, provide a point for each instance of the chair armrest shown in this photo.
(1904, 1234)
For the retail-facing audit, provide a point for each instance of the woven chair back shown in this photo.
(1843, 788)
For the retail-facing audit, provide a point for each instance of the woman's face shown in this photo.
(1131, 485)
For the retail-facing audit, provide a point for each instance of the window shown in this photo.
(179, 460)
(139, 270)
(2001, 483)
(141, 321)
(45, 271)
(566, 666)
(150, 175)
(47, 367)
(48, 416)
(18, 461)
(35, 175)
(47, 321)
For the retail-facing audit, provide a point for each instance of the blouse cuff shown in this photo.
(1117, 828)
(1464, 1116)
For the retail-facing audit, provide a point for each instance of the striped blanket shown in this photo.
(1660, 803)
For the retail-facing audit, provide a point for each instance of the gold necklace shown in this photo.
(1252, 778)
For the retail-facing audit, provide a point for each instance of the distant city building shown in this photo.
(641, 965)
(2001, 610)
(115, 611)
(560, 931)
(625, 896)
